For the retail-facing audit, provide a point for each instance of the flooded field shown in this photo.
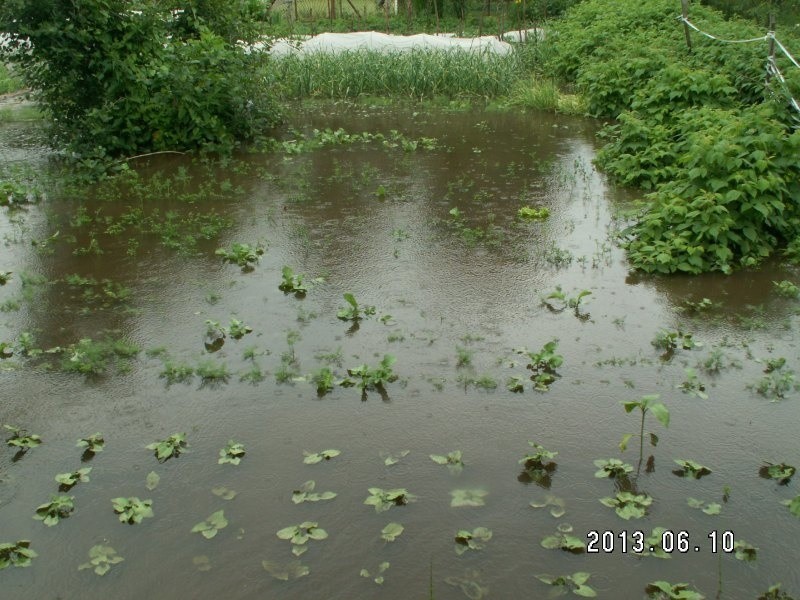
(122, 316)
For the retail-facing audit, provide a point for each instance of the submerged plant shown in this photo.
(472, 540)
(292, 570)
(132, 510)
(527, 213)
(383, 500)
(58, 508)
(558, 300)
(170, 447)
(324, 380)
(18, 554)
(663, 590)
(612, 467)
(211, 526)
(794, 505)
(628, 505)
(775, 593)
(563, 540)
(778, 381)
(391, 532)
(299, 535)
(575, 583)
(692, 385)
(470, 497)
(452, 460)
(306, 493)
(68, 480)
(92, 444)
(669, 341)
(379, 579)
(91, 357)
(232, 453)
(101, 558)
(21, 439)
(710, 508)
(354, 311)
(689, 468)
(782, 473)
(243, 255)
(556, 504)
(786, 289)
(312, 458)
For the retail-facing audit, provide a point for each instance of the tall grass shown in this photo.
(415, 74)
(8, 83)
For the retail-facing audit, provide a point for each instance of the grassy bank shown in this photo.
(8, 82)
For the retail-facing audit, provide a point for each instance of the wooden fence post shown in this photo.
(685, 11)
(771, 59)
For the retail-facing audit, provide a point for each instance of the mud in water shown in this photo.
(457, 293)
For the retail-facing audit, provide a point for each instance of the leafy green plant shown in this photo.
(212, 373)
(6, 350)
(324, 380)
(90, 357)
(645, 404)
(691, 469)
(92, 444)
(463, 357)
(376, 378)
(132, 510)
(557, 505)
(170, 447)
(786, 288)
(710, 508)
(782, 473)
(472, 540)
(306, 493)
(18, 554)
(467, 497)
(382, 568)
(537, 465)
(175, 372)
(663, 590)
(526, 213)
(794, 505)
(575, 583)
(544, 364)
(515, 384)
(383, 500)
(101, 558)
(211, 526)
(692, 385)
(558, 300)
(354, 312)
(744, 551)
(243, 255)
(59, 507)
(312, 458)
(292, 570)
(391, 532)
(612, 468)
(21, 439)
(238, 329)
(393, 459)
(451, 459)
(5, 277)
(299, 535)
(669, 341)
(778, 381)
(68, 480)
(562, 539)
(655, 541)
(775, 593)
(628, 505)
(294, 283)
(232, 453)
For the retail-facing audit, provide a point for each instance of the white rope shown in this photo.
(713, 37)
(774, 70)
(784, 50)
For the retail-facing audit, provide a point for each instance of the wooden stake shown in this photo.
(771, 60)
(685, 11)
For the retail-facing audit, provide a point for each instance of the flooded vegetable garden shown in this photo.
(398, 355)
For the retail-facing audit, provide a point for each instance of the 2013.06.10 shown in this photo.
(638, 542)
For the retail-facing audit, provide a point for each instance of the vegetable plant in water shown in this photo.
(306, 493)
(238, 329)
(211, 526)
(782, 473)
(18, 554)
(292, 570)
(645, 404)
(794, 505)
(324, 380)
(383, 500)
(243, 255)
(612, 467)
(375, 378)
(354, 312)
(232, 453)
(472, 540)
(391, 532)
(473, 497)
(710, 508)
(669, 341)
(691, 469)
(452, 460)
(556, 504)
(312, 458)
(92, 444)
(68, 480)
(132, 510)
(537, 465)
(575, 583)
(628, 505)
(298, 535)
(378, 574)
(558, 300)
(692, 385)
(663, 590)
(21, 439)
(174, 445)
(293, 283)
(544, 364)
(58, 508)
(101, 558)
(527, 213)
(563, 540)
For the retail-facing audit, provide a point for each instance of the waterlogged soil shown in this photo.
(377, 221)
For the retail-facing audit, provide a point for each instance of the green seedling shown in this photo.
(21, 439)
(691, 469)
(243, 255)
(537, 465)
(558, 300)
(238, 329)
(354, 312)
(152, 480)
(628, 505)
(68, 480)
(292, 570)
(692, 385)
(378, 574)
(463, 357)
(391, 532)
(544, 364)
(306, 493)
(90, 357)
(393, 459)
(794, 505)
(383, 500)
(575, 583)
(786, 289)
(710, 508)
(58, 508)
(170, 447)
(366, 378)
(312, 458)
(472, 497)
(663, 590)
(5, 277)
(324, 380)
(472, 540)
(299, 535)
(100, 559)
(232, 453)
(744, 551)
(778, 381)
(612, 468)
(18, 554)
(527, 213)
(211, 526)
(775, 593)
(669, 341)
(452, 460)
(292, 283)
(92, 444)
(132, 510)
(563, 540)
(782, 473)
(645, 404)
(557, 505)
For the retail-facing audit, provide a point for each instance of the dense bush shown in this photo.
(697, 129)
(120, 77)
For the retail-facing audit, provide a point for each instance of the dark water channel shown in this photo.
(376, 221)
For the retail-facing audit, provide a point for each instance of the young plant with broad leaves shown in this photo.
(312, 458)
(562, 540)
(628, 505)
(294, 283)
(68, 480)
(452, 459)
(472, 540)
(557, 505)
(300, 534)
(575, 583)
(232, 453)
(18, 554)
(101, 558)
(691, 469)
(59, 507)
(558, 300)
(782, 473)
(710, 508)
(353, 311)
(21, 439)
(306, 493)
(543, 364)
(379, 579)
(669, 341)
(692, 385)
(132, 510)
(92, 444)
(391, 532)
(383, 500)
(170, 447)
(243, 255)
(646, 404)
(538, 465)
(663, 590)
(211, 526)
(238, 329)
(612, 468)
(372, 378)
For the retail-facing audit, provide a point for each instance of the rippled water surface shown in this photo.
(377, 221)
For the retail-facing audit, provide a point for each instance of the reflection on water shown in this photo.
(456, 294)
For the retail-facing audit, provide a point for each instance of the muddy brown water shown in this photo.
(375, 221)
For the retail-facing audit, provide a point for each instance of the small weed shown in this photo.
(354, 312)
(383, 500)
(691, 469)
(18, 554)
(232, 453)
(170, 447)
(100, 559)
(575, 583)
(132, 510)
(59, 507)
(243, 255)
